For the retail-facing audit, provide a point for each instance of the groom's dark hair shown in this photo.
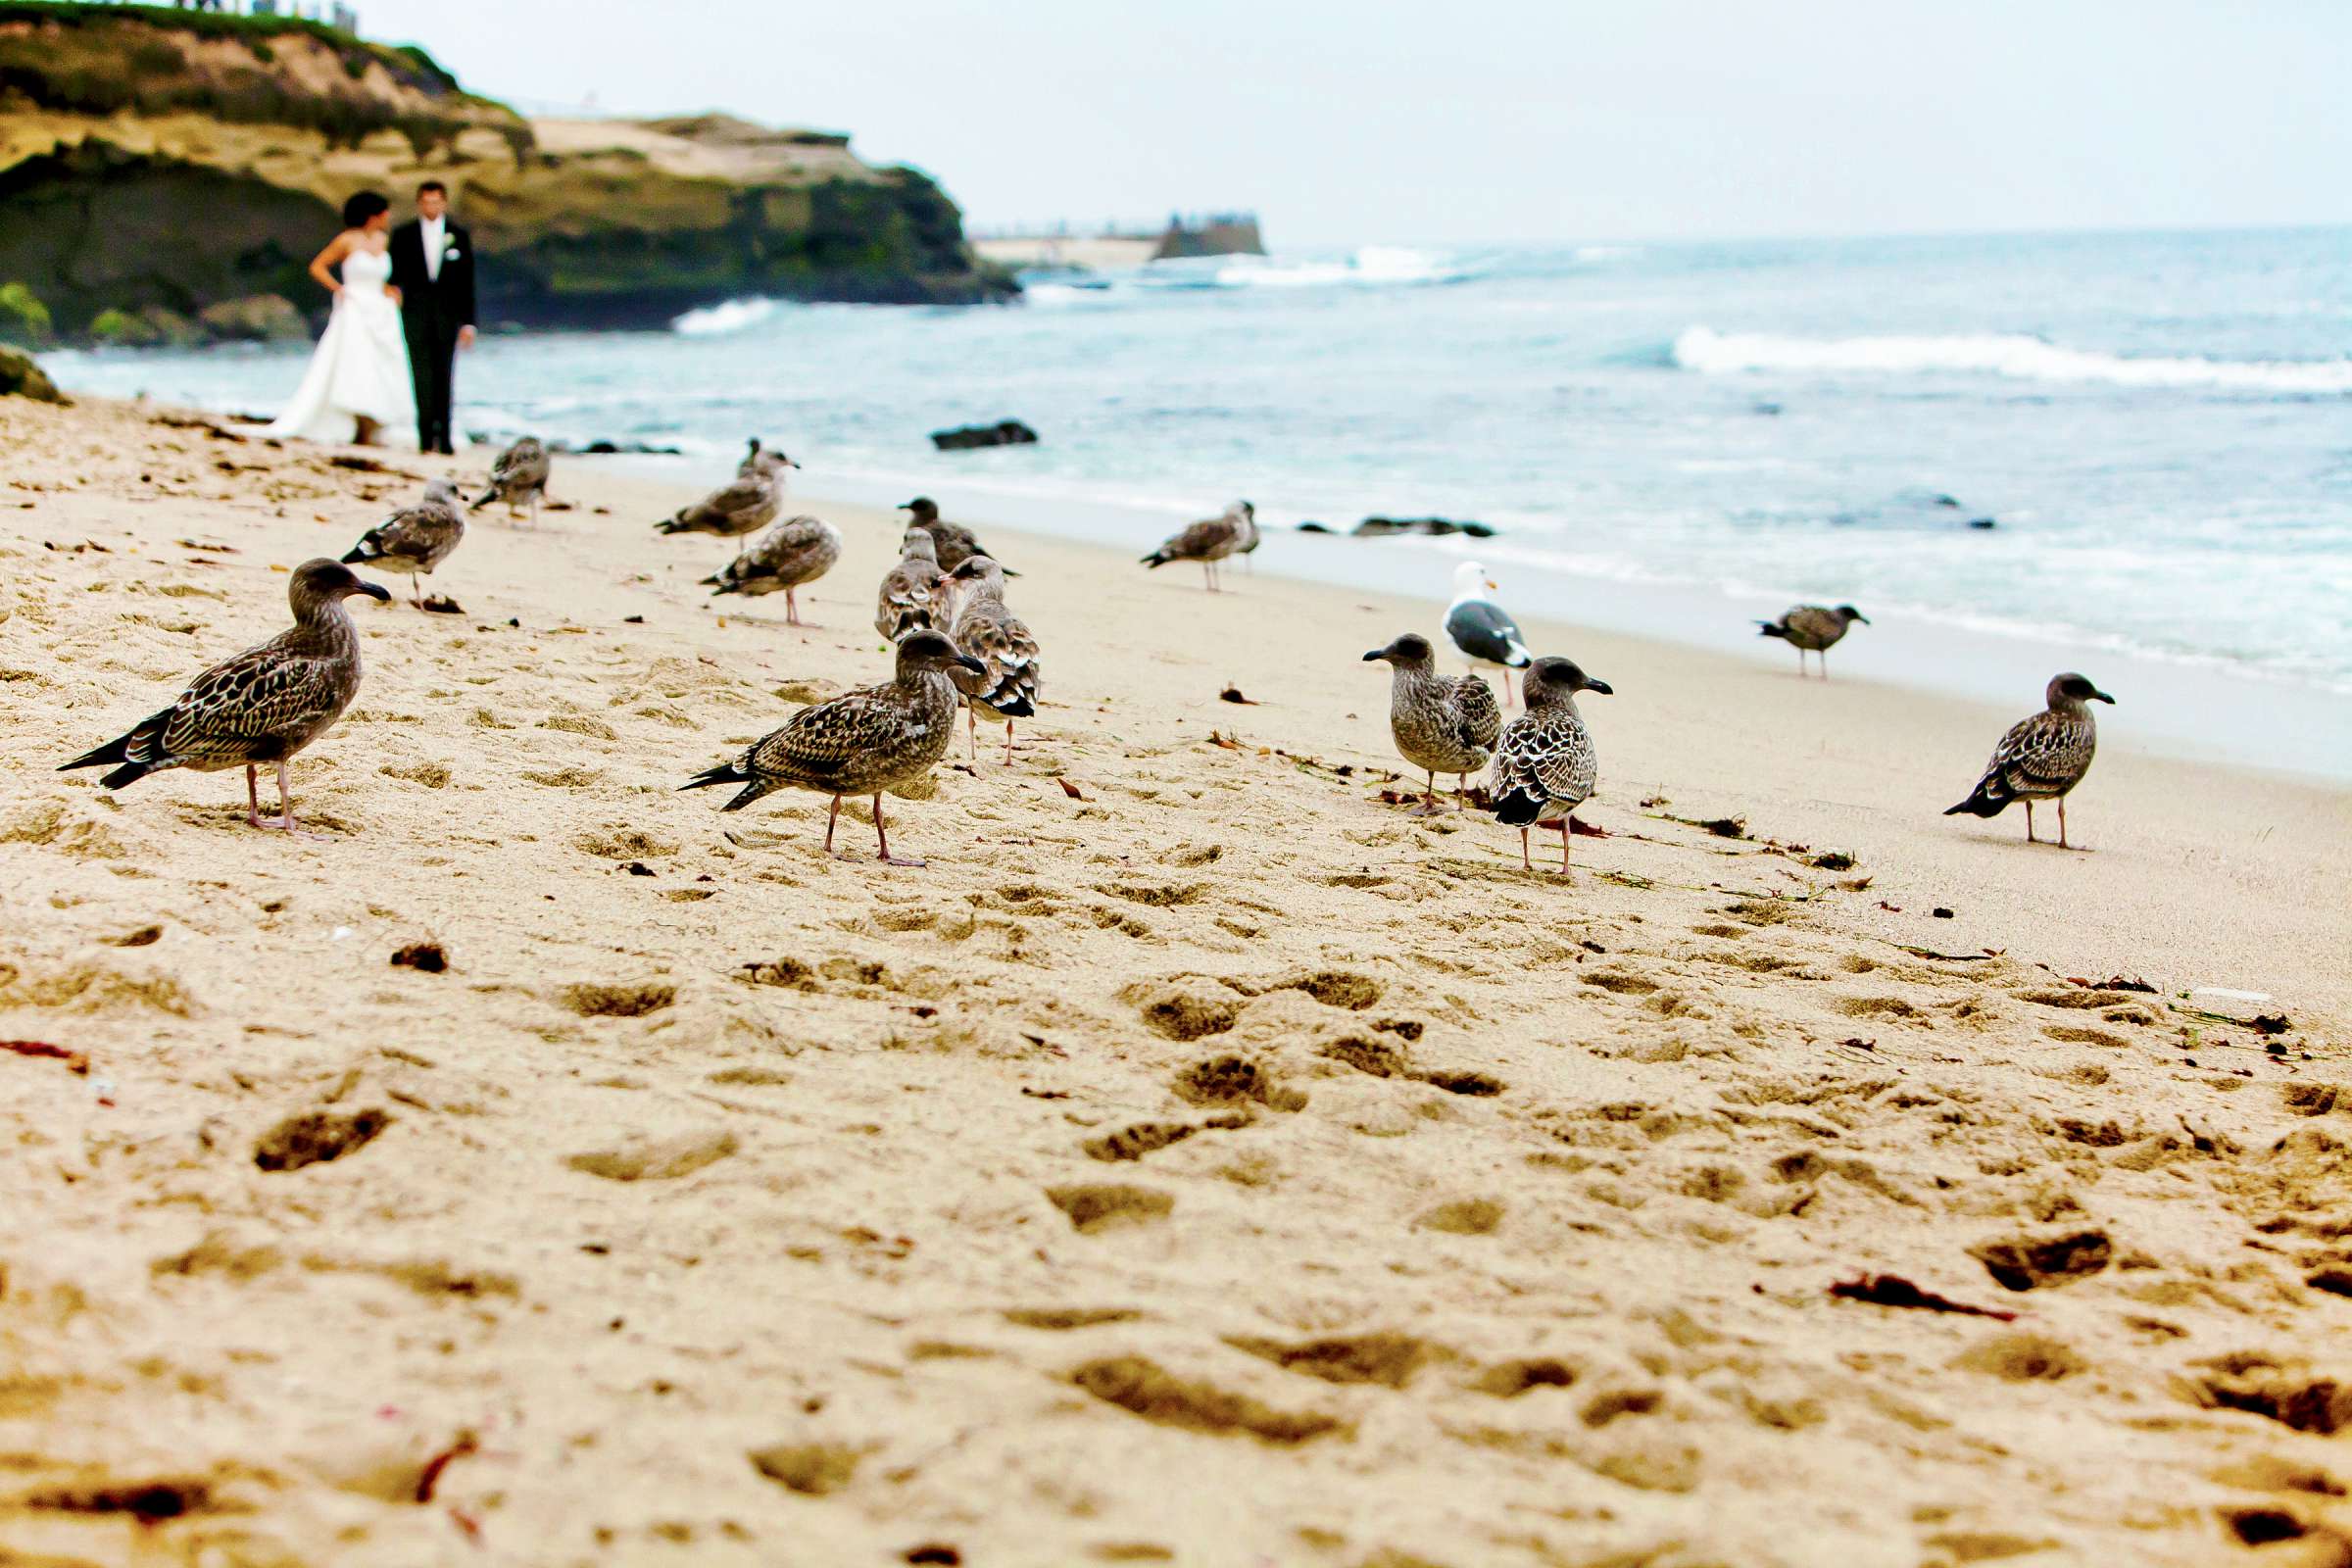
(432, 184)
(361, 208)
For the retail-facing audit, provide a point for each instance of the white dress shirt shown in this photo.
(434, 231)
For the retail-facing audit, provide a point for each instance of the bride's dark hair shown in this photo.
(361, 208)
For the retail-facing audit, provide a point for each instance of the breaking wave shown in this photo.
(2004, 354)
(717, 321)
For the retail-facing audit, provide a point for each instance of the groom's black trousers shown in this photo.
(432, 335)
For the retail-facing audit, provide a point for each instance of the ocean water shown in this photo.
(2158, 425)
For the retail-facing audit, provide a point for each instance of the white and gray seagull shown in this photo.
(1483, 630)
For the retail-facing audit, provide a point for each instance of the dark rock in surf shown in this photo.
(1003, 433)
(602, 448)
(1432, 527)
(1911, 509)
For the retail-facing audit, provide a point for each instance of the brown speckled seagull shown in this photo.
(1545, 765)
(415, 539)
(263, 706)
(952, 542)
(860, 743)
(1812, 629)
(518, 475)
(1442, 724)
(2043, 757)
(747, 506)
(795, 551)
(1210, 540)
(992, 634)
(909, 597)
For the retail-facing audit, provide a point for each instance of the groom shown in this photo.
(432, 266)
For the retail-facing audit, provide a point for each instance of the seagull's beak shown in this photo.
(966, 662)
(1377, 653)
(383, 596)
(790, 464)
(1600, 686)
(906, 506)
(2103, 698)
(1864, 620)
(1492, 586)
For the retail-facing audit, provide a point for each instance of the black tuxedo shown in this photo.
(431, 312)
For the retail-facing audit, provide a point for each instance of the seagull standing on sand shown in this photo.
(860, 743)
(747, 506)
(952, 542)
(518, 475)
(415, 539)
(1442, 724)
(1483, 630)
(263, 706)
(1210, 540)
(1811, 628)
(2043, 757)
(1005, 683)
(790, 556)
(910, 590)
(1544, 766)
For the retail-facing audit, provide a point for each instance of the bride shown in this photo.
(357, 380)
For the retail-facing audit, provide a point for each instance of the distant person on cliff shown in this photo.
(356, 383)
(432, 266)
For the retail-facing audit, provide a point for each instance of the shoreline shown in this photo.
(2200, 712)
(2211, 708)
(1200, 1160)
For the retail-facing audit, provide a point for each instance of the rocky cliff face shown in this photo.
(162, 173)
(631, 223)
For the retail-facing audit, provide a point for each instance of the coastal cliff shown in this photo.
(165, 176)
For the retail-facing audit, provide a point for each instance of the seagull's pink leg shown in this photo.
(1523, 859)
(2062, 844)
(831, 817)
(1428, 795)
(886, 858)
(253, 797)
(1564, 832)
(2029, 838)
(792, 611)
(1009, 742)
(285, 807)
(971, 731)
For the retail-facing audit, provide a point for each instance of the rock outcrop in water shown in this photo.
(156, 166)
(1003, 433)
(1432, 527)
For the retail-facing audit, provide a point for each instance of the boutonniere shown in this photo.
(450, 252)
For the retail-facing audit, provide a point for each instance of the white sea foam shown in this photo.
(2004, 354)
(1370, 267)
(717, 321)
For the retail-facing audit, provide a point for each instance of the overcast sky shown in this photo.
(1364, 121)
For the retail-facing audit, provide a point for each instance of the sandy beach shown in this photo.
(1199, 1161)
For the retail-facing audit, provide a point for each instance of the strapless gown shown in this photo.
(360, 366)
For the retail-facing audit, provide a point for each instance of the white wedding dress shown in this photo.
(360, 366)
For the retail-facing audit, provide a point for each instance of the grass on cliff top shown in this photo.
(106, 59)
(406, 63)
